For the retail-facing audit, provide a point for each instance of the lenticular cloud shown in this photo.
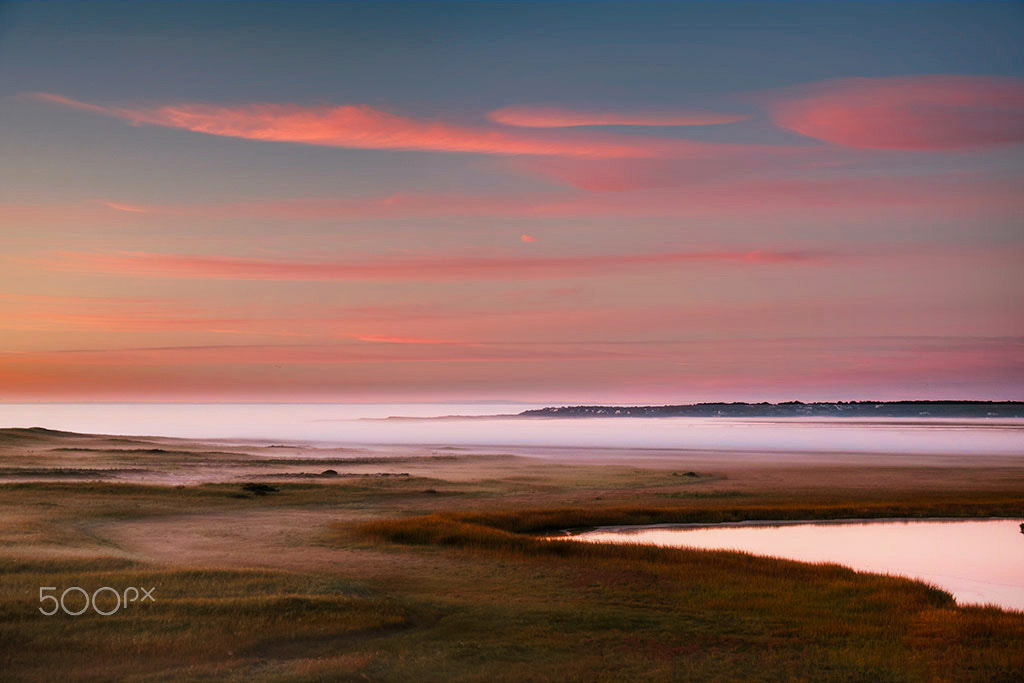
(907, 112)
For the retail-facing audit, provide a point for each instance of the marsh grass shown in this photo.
(532, 520)
(541, 520)
(201, 618)
(442, 576)
(668, 613)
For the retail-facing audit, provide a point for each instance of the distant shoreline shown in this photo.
(916, 409)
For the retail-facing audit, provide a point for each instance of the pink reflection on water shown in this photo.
(978, 561)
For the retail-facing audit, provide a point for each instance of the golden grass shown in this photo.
(534, 520)
(200, 618)
(440, 575)
(713, 615)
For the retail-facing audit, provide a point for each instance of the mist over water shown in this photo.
(345, 424)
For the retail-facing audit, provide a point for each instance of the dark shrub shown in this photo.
(259, 489)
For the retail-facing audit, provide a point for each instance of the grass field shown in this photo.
(435, 572)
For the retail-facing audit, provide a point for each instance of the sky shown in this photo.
(545, 202)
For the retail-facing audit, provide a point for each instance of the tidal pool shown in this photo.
(978, 561)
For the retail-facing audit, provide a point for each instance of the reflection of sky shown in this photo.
(583, 202)
(977, 561)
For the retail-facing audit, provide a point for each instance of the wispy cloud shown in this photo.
(931, 112)
(350, 353)
(536, 116)
(121, 206)
(364, 127)
(875, 367)
(384, 324)
(142, 264)
(126, 322)
(388, 339)
(41, 313)
(626, 175)
(634, 189)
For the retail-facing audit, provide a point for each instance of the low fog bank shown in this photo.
(340, 425)
(900, 436)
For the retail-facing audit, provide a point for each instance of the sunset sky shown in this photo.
(619, 202)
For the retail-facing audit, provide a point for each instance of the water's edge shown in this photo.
(576, 531)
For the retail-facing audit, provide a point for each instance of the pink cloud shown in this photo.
(43, 312)
(785, 368)
(624, 189)
(130, 208)
(634, 191)
(142, 264)
(39, 313)
(529, 116)
(626, 175)
(906, 112)
(527, 238)
(239, 355)
(50, 300)
(379, 324)
(387, 339)
(363, 127)
(125, 323)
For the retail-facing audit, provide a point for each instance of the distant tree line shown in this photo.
(976, 409)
